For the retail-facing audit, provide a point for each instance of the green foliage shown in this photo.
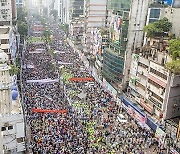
(22, 22)
(65, 28)
(54, 13)
(35, 39)
(104, 31)
(174, 66)
(174, 48)
(21, 14)
(23, 29)
(159, 28)
(14, 70)
(47, 34)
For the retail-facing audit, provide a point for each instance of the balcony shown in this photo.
(155, 102)
(144, 60)
(5, 46)
(142, 79)
(142, 71)
(157, 80)
(140, 91)
(158, 91)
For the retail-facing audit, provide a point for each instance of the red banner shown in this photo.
(81, 79)
(49, 111)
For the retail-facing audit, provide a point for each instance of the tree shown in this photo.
(47, 34)
(23, 29)
(14, 70)
(65, 28)
(174, 66)
(174, 51)
(21, 14)
(54, 13)
(22, 22)
(159, 28)
(174, 48)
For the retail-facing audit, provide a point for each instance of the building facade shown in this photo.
(95, 16)
(155, 88)
(114, 54)
(20, 3)
(8, 30)
(12, 134)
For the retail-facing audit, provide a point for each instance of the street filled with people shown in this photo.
(68, 111)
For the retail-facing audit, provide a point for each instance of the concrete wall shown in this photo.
(172, 108)
(17, 131)
(173, 15)
(96, 15)
(6, 12)
(138, 13)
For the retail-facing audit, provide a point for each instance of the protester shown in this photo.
(90, 125)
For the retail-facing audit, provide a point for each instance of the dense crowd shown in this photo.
(90, 125)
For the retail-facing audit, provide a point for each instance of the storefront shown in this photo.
(129, 106)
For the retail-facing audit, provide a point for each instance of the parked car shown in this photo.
(121, 118)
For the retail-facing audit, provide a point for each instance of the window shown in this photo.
(2, 23)
(154, 13)
(10, 127)
(155, 84)
(4, 41)
(142, 65)
(21, 139)
(6, 50)
(3, 128)
(152, 20)
(163, 76)
(3, 2)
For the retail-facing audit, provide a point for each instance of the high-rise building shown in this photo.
(114, 54)
(63, 7)
(95, 16)
(12, 134)
(8, 35)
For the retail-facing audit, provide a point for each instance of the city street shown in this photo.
(73, 116)
(89, 77)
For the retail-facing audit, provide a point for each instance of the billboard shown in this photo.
(116, 26)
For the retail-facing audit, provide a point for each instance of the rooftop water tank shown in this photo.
(14, 94)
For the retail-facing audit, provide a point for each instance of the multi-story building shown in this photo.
(19, 3)
(8, 30)
(155, 88)
(95, 17)
(12, 134)
(114, 54)
(62, 6)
